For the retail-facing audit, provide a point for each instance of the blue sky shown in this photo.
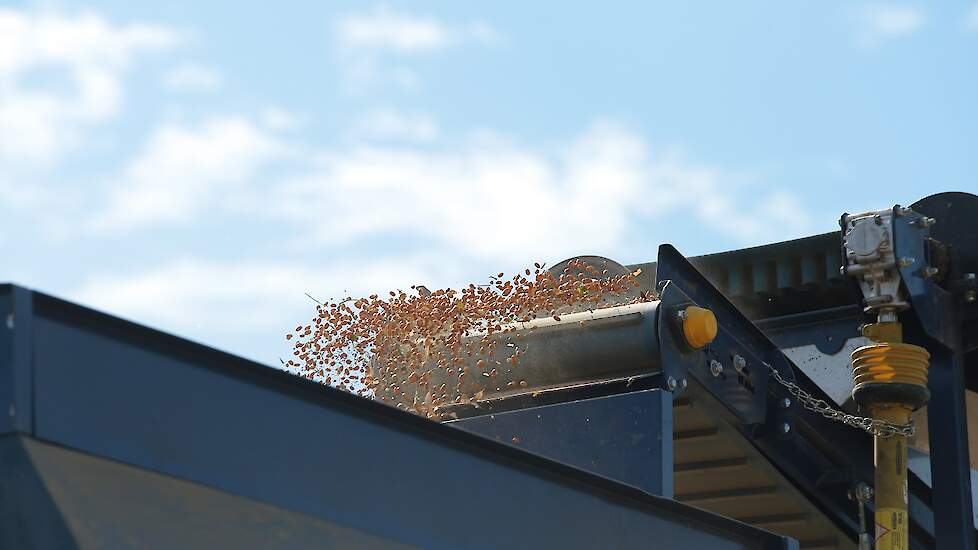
(199, 168)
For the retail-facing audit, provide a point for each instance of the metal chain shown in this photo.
(879, 428)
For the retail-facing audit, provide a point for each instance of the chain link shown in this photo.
(880, 428)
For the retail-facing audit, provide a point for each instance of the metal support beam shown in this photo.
(950, 470)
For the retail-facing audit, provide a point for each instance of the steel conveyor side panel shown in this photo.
(120, 392)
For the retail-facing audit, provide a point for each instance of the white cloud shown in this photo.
(192, 78)
(368, 44)
(883, 22)
(482, 197)
(278, 119)
(499, 202)
(396, 125)
(362, 73)
(183, 171)
(189, 295)
(971, 22)
(383, 29)
(38, 123)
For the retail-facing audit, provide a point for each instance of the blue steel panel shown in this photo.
(129, 394)
(7, 384)
(55, 498)
(29, 519)
(16, 315)
(950, 469)
(828, 329)
(625, 437)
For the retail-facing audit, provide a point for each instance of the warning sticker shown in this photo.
(891, 529)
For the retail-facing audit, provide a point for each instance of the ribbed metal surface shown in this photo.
(715, 468)
(775, 279)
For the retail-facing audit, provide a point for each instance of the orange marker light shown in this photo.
(699, 326)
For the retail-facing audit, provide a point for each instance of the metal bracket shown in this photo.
(731, 367)
(911, 235)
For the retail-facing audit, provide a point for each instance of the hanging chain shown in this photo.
(880, 428)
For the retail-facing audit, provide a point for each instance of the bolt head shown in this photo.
(683, 383)
(681, 315)
(739, 363)
(786, 403)
(716, 368)
(671, 383)
(861, 493)
(970, 296)
(907, 261)
(785, 428)
(930, 271)
(969, 276)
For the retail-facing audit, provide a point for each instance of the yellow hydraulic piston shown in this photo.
(890, 382)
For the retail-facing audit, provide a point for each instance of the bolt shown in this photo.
(785, 428)
(716, 369)
(930, 271)
(901, 211)
(969, 276)
(925, 222)
(877, 219)
(786, 403)
(671, 383)
(970, 296)
(907, 261)
(683, 383)
(861, 492)
(681, 315)
(842, 270)
(739, 363)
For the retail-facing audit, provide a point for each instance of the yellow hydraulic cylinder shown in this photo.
(890, 382)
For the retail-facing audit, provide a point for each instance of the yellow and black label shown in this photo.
(891, 529)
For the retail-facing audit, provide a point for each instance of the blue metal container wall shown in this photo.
(126, 394)
(626, 437)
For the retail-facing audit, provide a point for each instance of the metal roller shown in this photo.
(602, 344)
